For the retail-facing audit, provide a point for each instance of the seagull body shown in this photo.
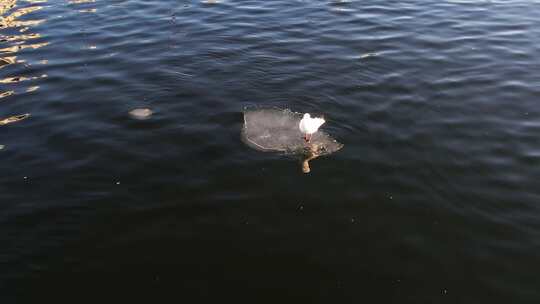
(309, 125)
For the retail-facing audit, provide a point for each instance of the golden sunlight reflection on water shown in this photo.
(13, 119)
(6, 94)
(16, 37)
(16, 24)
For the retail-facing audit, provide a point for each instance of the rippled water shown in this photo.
(435, 197)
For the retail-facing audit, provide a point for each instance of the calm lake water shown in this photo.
(435, 197)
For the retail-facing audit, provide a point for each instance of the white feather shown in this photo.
(310, 125)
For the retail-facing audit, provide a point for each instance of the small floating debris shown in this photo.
(2, 147)
(32, 89)
(90, 10)
(183, 74)
(141, 113)
(367, 55)
(13, 119)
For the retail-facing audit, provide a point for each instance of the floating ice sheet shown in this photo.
(276, 130)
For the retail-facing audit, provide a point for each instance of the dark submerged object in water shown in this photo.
(276, 130)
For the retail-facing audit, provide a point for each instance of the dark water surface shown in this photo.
(435, 197)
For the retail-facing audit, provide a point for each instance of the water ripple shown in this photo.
(436, 102)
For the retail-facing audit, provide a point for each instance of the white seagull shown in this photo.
(309, 125)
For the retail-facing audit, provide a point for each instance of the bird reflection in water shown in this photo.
(311, 151)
